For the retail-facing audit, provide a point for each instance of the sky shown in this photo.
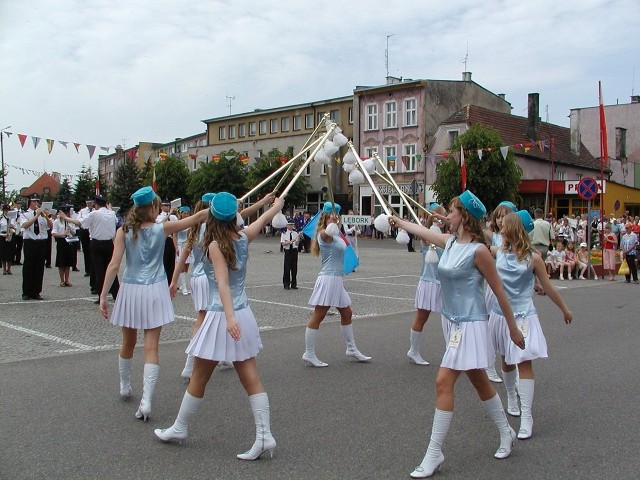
(114, 72)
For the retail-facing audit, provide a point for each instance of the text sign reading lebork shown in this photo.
(355, 219)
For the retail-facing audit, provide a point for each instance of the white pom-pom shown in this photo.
(369, 165)
(356, 177)
(381, 223)
(327, 123)
(330, 148)
(431, 256)
(239, 220)
(322, 157)
(332, 230)
(349, 167)
(340, 140)
(337, 130)
(279, 221)
(349, 158)
(402, 237)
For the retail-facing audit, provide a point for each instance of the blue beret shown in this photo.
(473, 204)
(509, 205)
(207, 197)
(184, 208)
(143, 196)
(327, 207)
(224, 207)
(433, 206)
(527, 221)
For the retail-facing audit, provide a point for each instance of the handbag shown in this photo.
(624, 268)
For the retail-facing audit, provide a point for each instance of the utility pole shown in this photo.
(386, 54)
(4, 173)
(229, 99)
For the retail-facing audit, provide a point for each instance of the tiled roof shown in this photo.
(513, 131)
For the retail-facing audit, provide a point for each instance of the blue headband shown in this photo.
(224, 207)
(143, 196)
(473, 204)
(327, 207)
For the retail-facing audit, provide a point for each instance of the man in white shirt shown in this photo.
(85, 241)
(289, 243)
(171, 242)
(34, 224)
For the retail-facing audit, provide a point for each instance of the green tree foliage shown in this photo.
(126, 180)
(492, 178)
(172, 179)
(64, 193)
(146, 173)
(85, 187)
(226, 175)
(266, 166)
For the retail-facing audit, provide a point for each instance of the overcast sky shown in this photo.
(115, 72)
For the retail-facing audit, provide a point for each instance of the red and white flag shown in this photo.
(153, 181)
(604, 153)
(97, 187)
(463, 169)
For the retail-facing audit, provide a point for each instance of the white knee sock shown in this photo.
(526, 390)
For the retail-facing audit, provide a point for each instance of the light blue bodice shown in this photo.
(197, 267)
(429, 271)
(462, 283)
(182, 236)
(496, 239)
(517, 279)
(236, 279)
(144, 256)
(332, 254)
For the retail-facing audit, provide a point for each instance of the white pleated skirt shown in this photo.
(329, 291)
(535, 344)
(428, 296)
(189, 259)
(200, 292)
(143, 306)
(474, 351)
(489, 298)
(213, 342)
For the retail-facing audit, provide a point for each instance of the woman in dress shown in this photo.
(143, 300)
(329, 289)
(8, 227)
(229, 331)
(66, 252)
(609, 253)
(464, 266)
(427, 298)
(518, 263)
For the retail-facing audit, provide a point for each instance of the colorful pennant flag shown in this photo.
(504, 151)
(23, 138)
(36, 141)
(50, 144)
(91, 149)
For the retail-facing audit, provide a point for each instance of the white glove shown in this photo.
(332, 230)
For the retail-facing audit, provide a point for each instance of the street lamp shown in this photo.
(4, 173)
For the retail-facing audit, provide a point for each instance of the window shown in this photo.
(390, 115)
(252, 129)
(232, 131)
(308, 120)
(320, 117)
(273, 125)
(390, 157)
(561, 175)
(579, 176)
(242, 130)
(410, 112)
(284, 124)
(372, 117)
(371, 151)
(262, 127)
(409, 157)
(323, 169)
(350, 115)
(222, 133)
(453, 135)
(297, 122)
(335, 116)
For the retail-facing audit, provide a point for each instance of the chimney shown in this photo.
(502, 95)
(635, 98)
(466, 76)
(534, 118)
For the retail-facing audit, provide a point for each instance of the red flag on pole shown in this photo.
(604, 153)
(463, 169)
(153, 181)
(97, 187)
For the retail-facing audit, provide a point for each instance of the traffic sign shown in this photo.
(587, 188)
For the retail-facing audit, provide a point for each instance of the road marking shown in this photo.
(46, 336)
(39, 302)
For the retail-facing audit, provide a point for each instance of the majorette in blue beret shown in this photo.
(473, 204)
(327, 207)
(143, 196)
(224, 206)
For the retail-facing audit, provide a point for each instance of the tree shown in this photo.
(266, 166)
(126, 180)
(146, 173)
(172, 179)
(64, 193)
(492, 178)
(225, 175)
(85, 187)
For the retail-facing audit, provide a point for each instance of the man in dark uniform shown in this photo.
(169, 257)
(85, 241)
(18, 235)
(33, 223)
(289, 243)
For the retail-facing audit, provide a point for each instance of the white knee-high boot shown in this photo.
(414, 351)
(188, 368)
(183, 283)
(150, 379)
(434, 457)
(526, 389)
(264, 439)
(512, 394)
(493, 375)
(180, 428)
(352, 351)
(309, 355)
(124, 365)
(507, 435)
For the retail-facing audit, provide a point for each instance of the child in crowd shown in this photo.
(582, 262)
(555, 259)
(569, 260)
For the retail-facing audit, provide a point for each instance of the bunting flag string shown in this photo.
(51, 142)
(504, 150)
(36, 173)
